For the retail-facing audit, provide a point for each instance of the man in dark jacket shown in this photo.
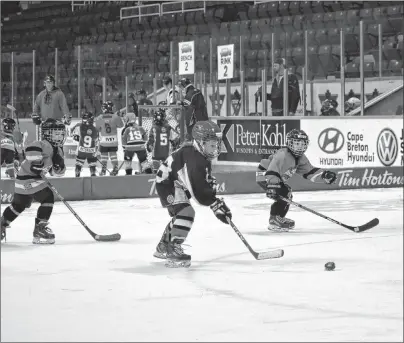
(195, 105)
(276, 95)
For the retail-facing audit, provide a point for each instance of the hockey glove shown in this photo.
(212, 182)
(221, 211)
(149, 148)
(329, 177)
(67, 120)
(58, 162)
(36, 118)
(37, 167)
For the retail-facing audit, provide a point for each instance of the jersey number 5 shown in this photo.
(163, 139)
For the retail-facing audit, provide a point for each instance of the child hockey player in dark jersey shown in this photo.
(187, 173)
(273, 173)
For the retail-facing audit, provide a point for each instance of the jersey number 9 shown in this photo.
(87, 141)
(135, 135)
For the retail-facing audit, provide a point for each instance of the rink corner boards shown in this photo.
(235, 182)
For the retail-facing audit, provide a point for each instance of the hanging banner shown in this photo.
(186, 58)
(225, 61)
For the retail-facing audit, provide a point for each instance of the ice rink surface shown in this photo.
(82, 290)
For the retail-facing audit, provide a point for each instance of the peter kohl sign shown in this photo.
(250, 140)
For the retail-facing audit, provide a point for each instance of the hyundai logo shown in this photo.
(331, 140)
(387, 147)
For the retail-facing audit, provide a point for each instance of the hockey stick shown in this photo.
(374, 222)
(110, 173)
(257, 255)
(100, 238)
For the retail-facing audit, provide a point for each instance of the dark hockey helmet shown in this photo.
(159, 116)
(8, 125)
(54, 131)
(107, 107)
(87, 118)
(208, 138)
(297, 142)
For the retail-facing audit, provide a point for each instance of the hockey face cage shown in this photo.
(297, 141)
(159, 116)
(205, 133)
(87, 119)
(8, 125)
(54, 133)
(107, 107)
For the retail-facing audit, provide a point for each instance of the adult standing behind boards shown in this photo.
(195, 105)
(276, 95)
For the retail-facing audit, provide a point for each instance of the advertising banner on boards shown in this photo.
(354, 142)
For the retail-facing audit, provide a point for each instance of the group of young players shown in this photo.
(186, 173)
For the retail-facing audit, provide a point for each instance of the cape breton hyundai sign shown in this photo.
(354, 142)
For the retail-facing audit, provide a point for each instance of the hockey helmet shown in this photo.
(87, 118)
(54, 131)
(8, 125)
(159, 116)
(107, 107)
(297, 142)
(208, 138)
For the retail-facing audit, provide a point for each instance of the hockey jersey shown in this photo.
(281, 166)
(28, 182)
(191, 170)
(160, 137)
(134, 138)
(107, 124)
(7, 141)
(11, 141)
(88, 137)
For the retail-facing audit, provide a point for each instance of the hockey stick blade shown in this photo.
(267, 255)
(369, 225)
(257, 255)
(356, 229)
(108, 238)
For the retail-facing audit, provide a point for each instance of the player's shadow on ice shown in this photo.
(294, 232)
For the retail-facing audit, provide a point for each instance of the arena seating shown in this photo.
(115, 48)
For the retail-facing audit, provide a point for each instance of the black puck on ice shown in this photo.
(329, 266)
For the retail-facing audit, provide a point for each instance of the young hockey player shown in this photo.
(107, 124)
(187, 173)
(161, 138)
(134, 142)
(87, 135)
(40, 157)
(273, 173)
(9, 149)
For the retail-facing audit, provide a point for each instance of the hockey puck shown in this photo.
(329, 266)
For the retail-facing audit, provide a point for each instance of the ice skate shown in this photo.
(279, 224)
(93, 171)
(103, 171)
(161, 250)
(42, 233)
(176, 258)
(4, 226)
(77, 172)
(114, 171)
